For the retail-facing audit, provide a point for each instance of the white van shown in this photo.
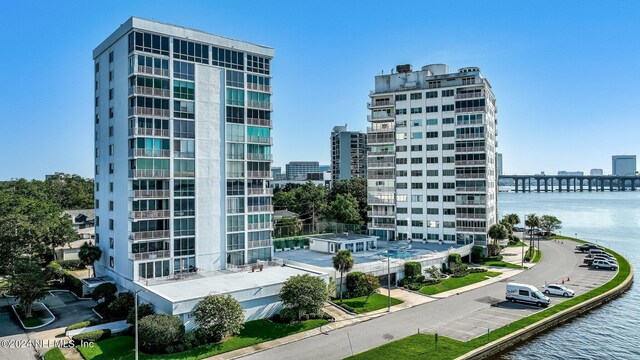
(526, 294)
(593, 252)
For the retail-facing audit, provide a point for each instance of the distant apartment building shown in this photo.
(324, 168)
(431, 168)
(623, 165)
(570, 173)
(596, 172)
(57, 175)
(348, 153)
(499, 156)
(276, 173)
(298, 170)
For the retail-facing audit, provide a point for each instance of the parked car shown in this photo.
(602, 255)
(526, 294)
(557, 289)
(519, 229)
(604, 264)
(587, 247)
(597, 251)
(589, 259)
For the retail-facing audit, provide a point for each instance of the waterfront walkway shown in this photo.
(464, 316)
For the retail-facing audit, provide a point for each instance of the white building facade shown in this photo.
(432, 155)
(182, 152)
(623, 165)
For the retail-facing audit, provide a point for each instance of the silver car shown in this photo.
(557, 289)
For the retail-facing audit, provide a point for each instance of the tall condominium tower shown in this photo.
(623, 165)
(298, 170)
(182, 152)
(432, 155)
(348, 153)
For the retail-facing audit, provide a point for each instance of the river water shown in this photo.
(611, 219)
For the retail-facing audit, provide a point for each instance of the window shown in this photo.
(235, 78)
(433, 186)
(401, 186)
(418, 223)
(448, 133)
(433, 198)
(401, 210)
(416, 122)
(401, 161)
(450, 172)
(110, 131)
(432, 121)
(432, 160)
(110, 187)
(183, 90)
(235, 97)
(146, 42)
(97, 205)
(401, 97)
(235, 115)
(110, 75)
(448, 159)
(235, 223)
(433, 211)
(431, 94)
(401, 148)
(401, 173)
(416, 172)
(417, 211)
(446, 121)
(416, 186)
(110, 113)
(184, 246)
(401, 136)
(416, 160)
(416, 198)
(448, 211)
(97, 67)
(184, 227)
(110, 205)
(184, 129)
(111, 168)
(111, 146)
(258, 64)
(446, 93)
(184, 168)
(401, 111)
(190, 51)
(432, 172)
(416, 135)
(432, 147)
(431, 109)
(184, 188)
(227, 58)
(110, 56)
(416, 110)
(184, 109)
(416, 96)
(183, 70)
(416, 147)
(432, 134)
(235, 205)
(434, 84)
(110, 224)
(449, 146)
(448, 107)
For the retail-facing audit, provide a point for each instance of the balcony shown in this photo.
(259, 174)
(137, 110)
(263, 157)
(184, 154)
(153, 71)
(381, 189)
(381, 153)
(470, 203)
(469, 149)
(389, 128)
(149, 153)
(149, 173)
(150, 194)
(470, 109)
(259, 87)
(469, 122)
(149, 214)
(259, 191)
(470, 95)
(259, 226)
(380, 103)
(150, 255)
(471, 229)
(381, 226)
(470, 136)
(144, 90)
(381, 165)
(371, 213)
(470, 162)
(471, 188)
(258, 243)
(260, 208)
(380, 176)
(381, 116)
(471, 216)
(381, 140)
(471, 176)
(259, 105)
(260, 139)
(259, 122)
(148, 132)
(149, 235)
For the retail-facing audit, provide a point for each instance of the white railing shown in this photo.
(259, 191)
(252, 156)
(146, 194)
(471, 149)
(471, 176)
(259, 174)
(144, 90)
(470, 109)
(259, 87)
(150, 255)
(381, 153)
(380, 176)
(153, 71)
(470, 216)
(150, 214)
(259, 104)
(470, 162)
(260, 208)
(381, 140)
(260, 139)
(381, 213)
(470, 136)
(259, 226)
(390, 128)
(470, 95)
(145, 235)
(381, 164)
(381, 226)
(148, 132)
(259, 122)
(380, 103)
(469, 202)
(381, 116)
(137, 110)
(150, 173)
(149, 153)
(471, 189)
(184, 154)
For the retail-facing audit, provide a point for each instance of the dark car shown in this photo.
(586, 247)
(519, 229)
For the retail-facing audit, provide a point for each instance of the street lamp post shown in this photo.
(388, 282)
(135, 307)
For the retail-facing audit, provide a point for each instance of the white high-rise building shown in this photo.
(623, 165)
(348, 153)
(432, 155)
(182, 152)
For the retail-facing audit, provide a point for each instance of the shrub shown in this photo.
(218, 316)
(419, 279)
(278, 244)
(55, 270)
(513, 239)
(494, 258)
(73, 284)
(71, 264)
(304, 294)
(454, 259)
(143, 310)
(432, 281)
(79, 325)
(412, 269)
(414, 286)
(477, 254)
(493, 249)
(160, 333)
(104, 291)
(119, 308)
(476, 270)
(347, 307)
(288, 315)
(354, 283)
(91, 336)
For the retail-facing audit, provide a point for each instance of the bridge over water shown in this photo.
(567, 183)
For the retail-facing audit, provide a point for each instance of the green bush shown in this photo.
(160, 333)
(104, 291)
(348, 308)
(143, 310)
(454, 259)
(73, 284)
(419, 279)
(431, 281)
(494, 258)
(354, 283)
(278, 244)
(477, 270)
(513, 239)
(414, 286)
(79, 325)
(412, 269)
(477, 254)
(71, 264)
(218, 316)
(91, 336)
(288, 315)
(55, 270)
(119, 308)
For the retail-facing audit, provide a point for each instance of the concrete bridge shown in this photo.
(567, 183)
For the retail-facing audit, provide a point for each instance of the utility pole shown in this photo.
(388, 282)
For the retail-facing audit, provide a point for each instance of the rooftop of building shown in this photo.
(76, 215)
(343, 237)
(181, 32)
(224, 283)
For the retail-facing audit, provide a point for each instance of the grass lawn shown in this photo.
(254, 332)
(501, 264)
(375, 302)
(518, 244)
(32, 321)
(54, 354)
(454, 283)
(418, 346)
(537, 257)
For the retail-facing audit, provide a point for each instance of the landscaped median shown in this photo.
(361, 305)
(419, 345)
(452, 283)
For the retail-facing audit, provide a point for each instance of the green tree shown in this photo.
(28, 284)
(159, 333)
(119, 308)
(532, 221)
(106, 291)
(311, 200)
(143, 310)
(89, 254)
(550, 223)
(344, 209)
(512, 219)
(290, 226)
(361, 284)
(343, 262)
(356, 187)
(304, 294)
(218, 316)
(497, 232)
(284, 200)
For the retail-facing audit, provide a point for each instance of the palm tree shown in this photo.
(497, 232)
(512, 219)
(532, 221)
(343, 262)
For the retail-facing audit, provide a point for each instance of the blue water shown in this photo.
(612, 220)
(398, 254)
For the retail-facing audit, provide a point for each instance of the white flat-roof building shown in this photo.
(332, 243)
(431, 169)
(623, 165)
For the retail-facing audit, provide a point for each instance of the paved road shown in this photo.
(462, 316)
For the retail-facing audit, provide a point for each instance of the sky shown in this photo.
(565, 74)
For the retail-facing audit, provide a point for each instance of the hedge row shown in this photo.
(91, 336)
(290, 243)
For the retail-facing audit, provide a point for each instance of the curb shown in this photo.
(514, 338)
(342, 309)
(53, 317)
